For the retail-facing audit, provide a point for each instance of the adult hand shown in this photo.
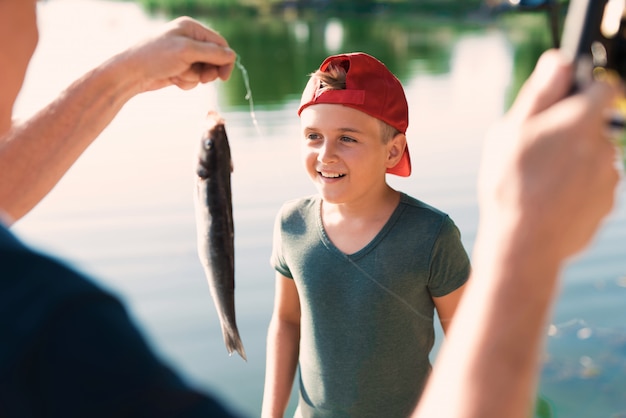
(547, 180)
(550, 169)
(184, 54)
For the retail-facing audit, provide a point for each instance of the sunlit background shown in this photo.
(124, 213)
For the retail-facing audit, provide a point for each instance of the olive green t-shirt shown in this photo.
(367, 318)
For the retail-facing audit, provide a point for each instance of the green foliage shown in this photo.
(278, 60)
(341, 7)
(196, 6)
(543, 408)
(280, 41)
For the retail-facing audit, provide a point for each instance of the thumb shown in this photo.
(549, 82)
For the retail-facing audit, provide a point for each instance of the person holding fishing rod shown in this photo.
(548, 180)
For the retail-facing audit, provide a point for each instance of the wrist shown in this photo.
(119, 78)
(515, 246)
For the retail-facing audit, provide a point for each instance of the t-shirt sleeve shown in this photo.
(277, 259)
(449, 265)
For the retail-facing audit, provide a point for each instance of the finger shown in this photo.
(606, 96)
(599, 100)
(207, 73)
(204, 72)
(612, 177)
(221, 59)
(224, 71)
(183, 84)
(583, 117)
(195, 30)
(549, 82)
(212, 54)
(603, 93)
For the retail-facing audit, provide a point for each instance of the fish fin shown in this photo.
(233, 343)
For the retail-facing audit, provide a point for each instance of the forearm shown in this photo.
(282, 360)
(36, 153)
(500, 321)
(548, 178)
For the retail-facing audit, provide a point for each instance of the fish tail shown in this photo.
(233, 342)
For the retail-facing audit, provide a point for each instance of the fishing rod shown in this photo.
(593, 38)
(552, 9)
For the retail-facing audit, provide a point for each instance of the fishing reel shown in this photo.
(593, 36)
(593, 39)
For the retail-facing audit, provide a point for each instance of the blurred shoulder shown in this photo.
(300, 206)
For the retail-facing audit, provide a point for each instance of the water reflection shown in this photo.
(283, 51)
(333, 36)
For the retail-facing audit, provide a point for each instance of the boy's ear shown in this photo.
(395, 147)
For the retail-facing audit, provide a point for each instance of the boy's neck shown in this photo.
(371, 206)
(351, 226)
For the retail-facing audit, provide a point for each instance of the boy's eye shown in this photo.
(347, 139)
(312, 136)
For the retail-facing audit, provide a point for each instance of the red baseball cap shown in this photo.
(370, 88)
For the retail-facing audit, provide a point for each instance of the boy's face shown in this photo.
(344, 153)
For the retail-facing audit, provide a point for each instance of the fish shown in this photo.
(215, 227)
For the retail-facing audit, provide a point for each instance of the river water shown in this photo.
(124, 213)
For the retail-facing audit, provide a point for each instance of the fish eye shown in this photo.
(208, 143)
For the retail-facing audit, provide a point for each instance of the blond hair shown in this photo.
(334, 78)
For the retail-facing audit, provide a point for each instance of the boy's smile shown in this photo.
(343, 152)
(330, 175)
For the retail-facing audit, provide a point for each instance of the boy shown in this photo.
(360, 266)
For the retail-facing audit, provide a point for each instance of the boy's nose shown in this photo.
(327, 153)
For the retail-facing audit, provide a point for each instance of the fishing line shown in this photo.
(248, 96)
(389, 291)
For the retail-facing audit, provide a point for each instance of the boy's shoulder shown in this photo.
(420, 215)
(299, 205)
(417, 205)
(298, 214)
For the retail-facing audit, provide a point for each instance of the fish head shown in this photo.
(214, 155)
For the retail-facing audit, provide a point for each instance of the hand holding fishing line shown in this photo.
(184, 54)
(208, 57)
(61, 131)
